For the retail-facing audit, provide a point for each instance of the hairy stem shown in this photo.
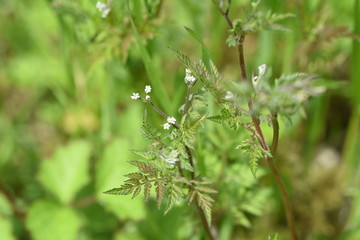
(272, 166)
(211, 232)
(260, 135)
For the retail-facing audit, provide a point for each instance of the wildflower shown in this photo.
(103, 8)
(255, 80)
(262, 69)
(172, 158)
(171, 120)
(147, 97)
(147, 88)
(135, 96)
(229, 95)
(189, 79)
(166, 126)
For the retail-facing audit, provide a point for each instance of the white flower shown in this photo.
(147, 88)
(147, 97)
(189, 79)
(171, 120)
(166, 126)
(103, 8)
(135, 96)
(262, 69)
(255, 80)
(172, 158)
(229, 95)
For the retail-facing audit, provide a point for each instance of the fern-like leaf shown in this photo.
(160, 192)
(125, 189)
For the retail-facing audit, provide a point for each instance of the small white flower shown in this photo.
(262, 69)
(189, 79)
(147, 97)
(171, 120)
(103, 8)
(135, 96)
(166, 126)
(255, 80)
(147, 88)
(171, 159)
(229, 95)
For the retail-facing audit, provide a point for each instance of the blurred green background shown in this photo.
(67, 120)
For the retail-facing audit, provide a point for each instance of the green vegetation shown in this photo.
(245, 144)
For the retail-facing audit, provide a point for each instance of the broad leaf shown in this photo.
(48, 220)
(67, 172)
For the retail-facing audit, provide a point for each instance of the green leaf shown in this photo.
(110, 171)
(147, 189)
(204, 201)
(273, 237)
(67, 172)
(48, 220)
(123, 190)
(241, 218)
(6, 230)
(160, 192)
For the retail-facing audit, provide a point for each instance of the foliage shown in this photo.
(71, 131)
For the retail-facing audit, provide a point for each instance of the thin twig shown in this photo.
(20, 213)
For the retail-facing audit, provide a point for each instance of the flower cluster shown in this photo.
(172, 158)
(147, 91)
(262, 70)
(103, 8)
(189, 79)
(170, 120)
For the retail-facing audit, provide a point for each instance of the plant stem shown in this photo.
(279, 182)
(272, 166)
(211, 232)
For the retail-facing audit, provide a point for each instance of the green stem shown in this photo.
(211, 232)
(279, 182)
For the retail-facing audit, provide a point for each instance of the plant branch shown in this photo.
(161, 112)
(208, 229)
(187, 101)
(279, 182)
(276, 128)
(21, 214)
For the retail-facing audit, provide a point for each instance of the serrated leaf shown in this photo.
(174, 193)
(160, 193)
(143, 154)
(125, 189)
(242, 219)
(183, 180)
(204, 201)
(192, 195)
(137, 191)
(147, 188)
(145, 167)
(48, 220)
(206, 189)
(67, 172)
(253, 162)
(135, 175)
